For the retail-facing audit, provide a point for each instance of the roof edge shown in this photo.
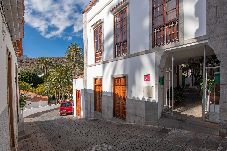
(90, 5)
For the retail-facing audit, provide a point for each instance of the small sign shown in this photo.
(147, 77)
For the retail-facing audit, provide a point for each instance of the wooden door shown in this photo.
(78, 103)
(98, 95)
(10, 102)
(119, 97)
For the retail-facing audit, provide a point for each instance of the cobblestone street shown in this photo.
(49, 132)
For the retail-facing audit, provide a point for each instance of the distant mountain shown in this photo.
(34, 64)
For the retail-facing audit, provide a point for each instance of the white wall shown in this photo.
(31, 104)
(6, 43)
(138, 29)
(134, 68)
(139, 25)
(194, 18)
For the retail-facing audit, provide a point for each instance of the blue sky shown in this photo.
(36, 45)
(51, 26)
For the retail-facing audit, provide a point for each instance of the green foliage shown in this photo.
(75, 59)
(22, 101)
(40, 90)
(59, 80)
(57, 77)
(210, 85)
(45, 64)
(25, 86)
(31, 78)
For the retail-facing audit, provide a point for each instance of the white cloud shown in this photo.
(52, 17)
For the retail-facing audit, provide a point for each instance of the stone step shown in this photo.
(189, 123)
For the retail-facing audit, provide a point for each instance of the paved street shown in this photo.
(48, 132)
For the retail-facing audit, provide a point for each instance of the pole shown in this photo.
(207, 102)
(204, 83)
(169, 78)
(172, 82)
(166, 87)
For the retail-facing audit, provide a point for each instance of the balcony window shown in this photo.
(120, 33)
(165, 22)
(98, 43)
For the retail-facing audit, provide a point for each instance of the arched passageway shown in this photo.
(190, 87)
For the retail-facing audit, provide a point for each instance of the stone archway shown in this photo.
(167, 92)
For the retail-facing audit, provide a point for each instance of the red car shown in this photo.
(66, 108)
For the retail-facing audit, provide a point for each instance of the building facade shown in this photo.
(140, 55)
(11, 34)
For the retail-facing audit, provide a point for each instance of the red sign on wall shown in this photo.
(147, 77)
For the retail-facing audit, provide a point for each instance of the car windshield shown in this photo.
(67, 104)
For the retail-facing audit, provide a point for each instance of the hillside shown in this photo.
(35, 64)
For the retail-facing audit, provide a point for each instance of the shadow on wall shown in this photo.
(133, 68)
(200, 14)
(133, 110)
(194, 18)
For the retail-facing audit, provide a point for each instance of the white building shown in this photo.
(136, 52)
(11, 34)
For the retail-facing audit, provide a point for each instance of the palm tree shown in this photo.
(75, 59)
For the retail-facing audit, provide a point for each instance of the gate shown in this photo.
(168, 90)
(119, 97)
(212, 93)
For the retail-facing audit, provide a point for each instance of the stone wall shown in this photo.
(89, 104)
(141, 111)
(137, 111)
(4, 131)
(217, 34)
(107, 107)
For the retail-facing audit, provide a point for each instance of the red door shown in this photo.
(119, 97)
(98, 95)
(78, 103)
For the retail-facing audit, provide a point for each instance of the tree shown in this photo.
(22, 101)
(40, 90)
(44, 64)
(59, 81)
(25, 86)
(31, 78)
(75, 59)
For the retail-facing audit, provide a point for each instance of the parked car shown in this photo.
(66, 108)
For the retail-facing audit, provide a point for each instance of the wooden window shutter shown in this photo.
(98, 43)
(165, 22)
(120, 33)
